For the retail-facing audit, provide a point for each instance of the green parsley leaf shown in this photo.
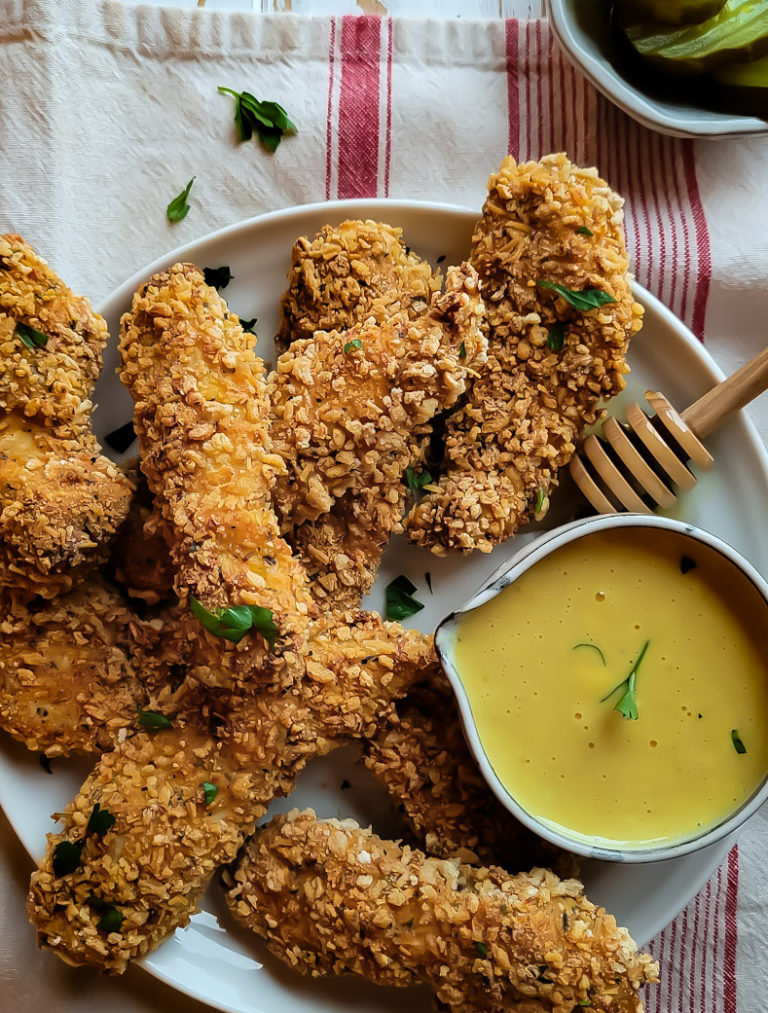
(463, 350)
(556, 336)
(399, 601)
(153, 721)
(100, 821)
(30, 336)
(481, 948)
(585, 1002)
(587, 299)
(179, 208)
(627, 705)
(738, 745)
(594, 648)
(234, 622)
(66, 857)
(111, 920)
(218, 277)
(416, 480)
(249, 326)
(210, 791)
(686, 564)
(538, 506)
(584, 231)
(268, 120)
(355, 343)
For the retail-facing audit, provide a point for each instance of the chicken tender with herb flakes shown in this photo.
(329, 898)
(349, 409)
(350, 273)
(202, 421)
(61, 501)
(551, 257)
(75, 671)
(181, 800)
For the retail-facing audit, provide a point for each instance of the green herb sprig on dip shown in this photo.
(627, 705)
(233, 623)
(268, 120)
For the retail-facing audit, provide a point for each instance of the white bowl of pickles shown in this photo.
(690, 68)
(613, 686)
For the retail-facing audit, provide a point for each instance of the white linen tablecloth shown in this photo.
(106, 111)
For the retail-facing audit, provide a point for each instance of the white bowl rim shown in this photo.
(633, 102)
(512, 569)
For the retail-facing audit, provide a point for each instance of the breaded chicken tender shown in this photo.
(61, 501)
(549, 362)
(350, 273)
(329, 898)
(349, 409)
(75, 671)
(422, 759)
(203, 428)
(185, 798)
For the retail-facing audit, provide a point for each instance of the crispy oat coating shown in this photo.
(526, 412)
(351, 411)
(155, 862)
(61, 501)
(349, 273)
(329, 897)
(202, 422)
(422, 758)
(74, 671)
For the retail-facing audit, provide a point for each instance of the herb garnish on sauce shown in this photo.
(586, 299)
(234, 622)
(400, 601)
(268, 120)
(738, 745)
(627, 705)
(594, 648)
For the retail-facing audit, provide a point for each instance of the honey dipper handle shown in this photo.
(728, 396)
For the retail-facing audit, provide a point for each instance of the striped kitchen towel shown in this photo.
(107, 111)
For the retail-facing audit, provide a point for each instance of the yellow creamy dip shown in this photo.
(567, 756)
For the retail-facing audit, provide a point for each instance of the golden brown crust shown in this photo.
(527, 410)
(155, 863)
(202, 422)
(422, 758)
(350, 413)
(330, 897)
(61, 501)
(349, 273)
(75, 671)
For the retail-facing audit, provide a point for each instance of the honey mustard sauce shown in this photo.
(620, 687)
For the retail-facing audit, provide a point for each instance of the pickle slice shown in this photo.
(672, 12)
(737, 33)
(745, 85)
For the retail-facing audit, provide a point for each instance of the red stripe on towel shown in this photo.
(513, 88)
(359, 106)
(731, 931)
(388, 135)
(704, 273)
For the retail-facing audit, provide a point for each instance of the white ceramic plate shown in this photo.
(211, 959)
(583, 32)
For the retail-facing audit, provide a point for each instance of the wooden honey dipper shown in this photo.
(646, 456)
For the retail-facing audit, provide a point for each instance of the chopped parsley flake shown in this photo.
(210, 791)
(66, 857)
(100, 821)
(268, 120)
(586, 299)
(400, 603)
(234, 622)
(30, 336)
(153, 721)
(355, 343)
(738, 745)
(179, 208)
(416, 480)
(218, 277)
